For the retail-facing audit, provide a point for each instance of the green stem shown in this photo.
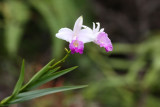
(4, 101)
(62, 60)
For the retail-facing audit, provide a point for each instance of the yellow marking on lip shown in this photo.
(75, 43)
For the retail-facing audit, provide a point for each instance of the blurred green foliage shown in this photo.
(15, 16)
(130, 80)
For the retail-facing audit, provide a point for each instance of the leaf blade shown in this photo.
(38, 74)
(42, 92)
(20, 80)
(50, 77)
(17, 86)
(51, 71)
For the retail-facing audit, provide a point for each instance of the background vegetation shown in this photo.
(127, 77)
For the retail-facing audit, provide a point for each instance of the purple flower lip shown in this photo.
(103, 41)
(76, 46)
(109, 48)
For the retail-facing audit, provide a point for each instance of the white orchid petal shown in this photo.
(78, 25)
(98, 26)
(88, 28)
(94, 26)
(86, 35)
(101, 30)
(65, 34)
(84, 26)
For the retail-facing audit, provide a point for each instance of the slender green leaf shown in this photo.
(20, 81)
(48, 78)
(5, 100)
(51, 72)
(42, 92)
(18, 85)
(38, 74)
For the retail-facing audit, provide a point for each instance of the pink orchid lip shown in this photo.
(103, 41)
(109, 48)
(76, 46)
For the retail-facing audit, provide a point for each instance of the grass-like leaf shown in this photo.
(17, 86)
(50, 77)
(38, 74)
(51, 71)
(20, 80)
(42, 92)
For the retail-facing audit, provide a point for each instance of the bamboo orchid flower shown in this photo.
(76, 38)
(100, 37)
